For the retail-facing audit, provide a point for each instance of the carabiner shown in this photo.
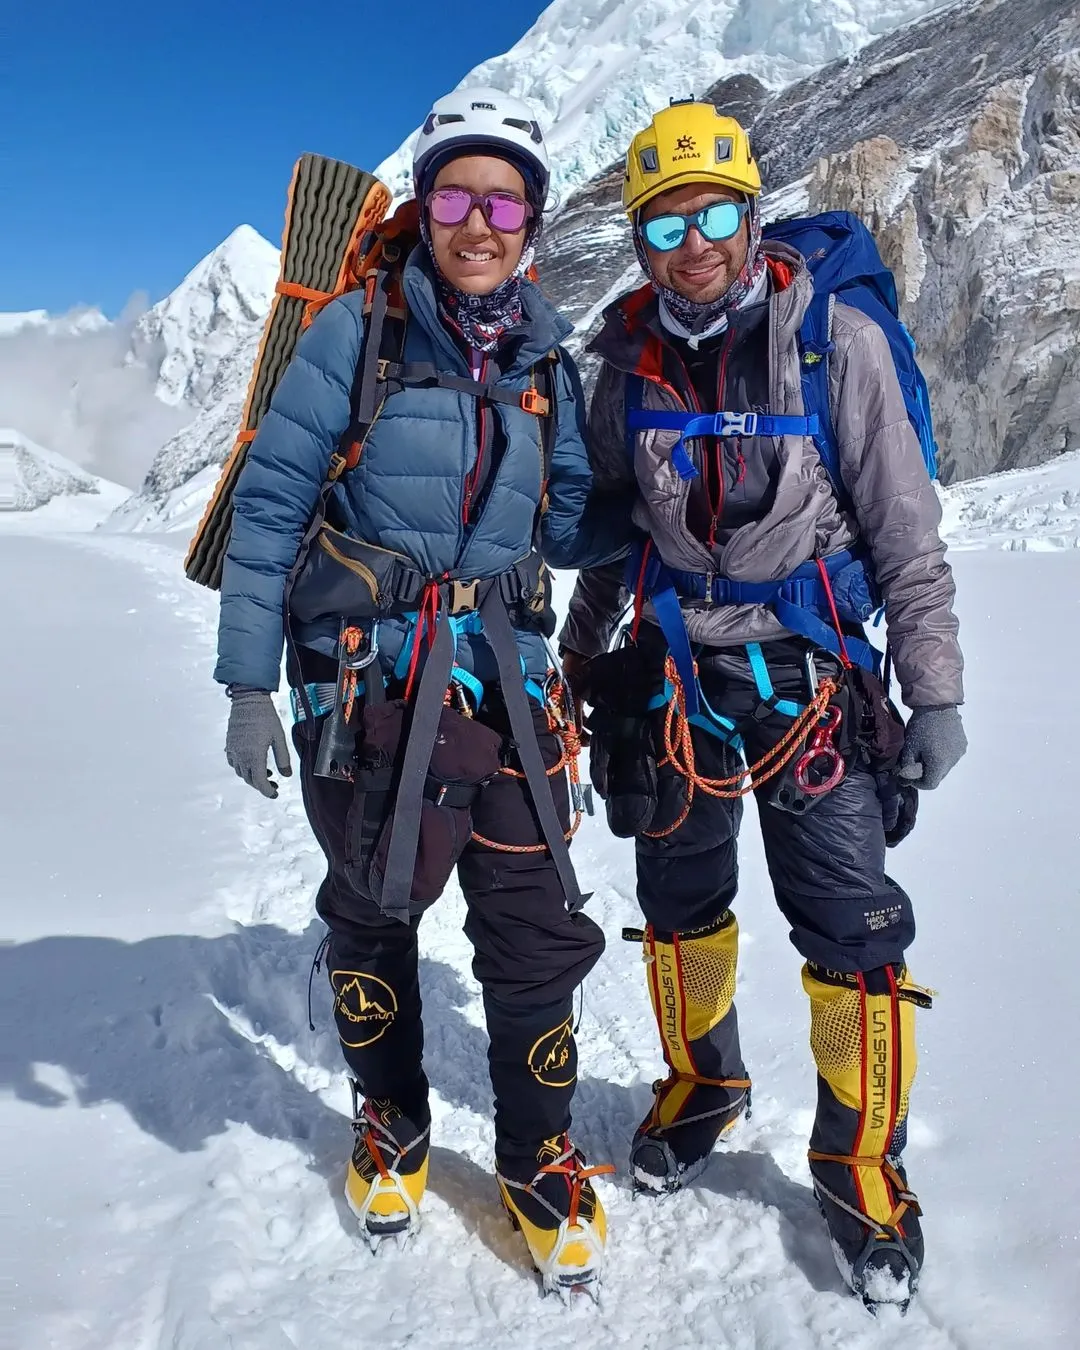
(810, 667)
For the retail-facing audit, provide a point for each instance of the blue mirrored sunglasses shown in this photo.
(716, 222)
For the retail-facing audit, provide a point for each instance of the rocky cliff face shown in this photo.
(957, 139)
(982, 236)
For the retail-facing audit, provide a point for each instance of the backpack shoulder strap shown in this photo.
(545, 385)
(384, 341)
(633, 397)
(815, 348)
(547, 388)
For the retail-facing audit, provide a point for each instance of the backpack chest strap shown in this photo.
(398, 375)
(720, 424)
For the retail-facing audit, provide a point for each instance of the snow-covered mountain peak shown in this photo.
(220, 303)
(244, 264)
(595, 70)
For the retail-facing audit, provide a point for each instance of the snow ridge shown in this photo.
(32, 477)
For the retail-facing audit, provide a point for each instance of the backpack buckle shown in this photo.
(532, 401)
(738, 424)
(463, 596)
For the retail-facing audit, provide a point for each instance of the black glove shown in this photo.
(254, 730)
(934, 743)
(623, 760)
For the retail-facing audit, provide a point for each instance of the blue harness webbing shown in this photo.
(460, 625)
(693, 424)
(716, 724)
(724, 728)
(799, 602)
(320, 696)
(786, 707)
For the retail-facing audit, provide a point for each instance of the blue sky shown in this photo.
(143, 133)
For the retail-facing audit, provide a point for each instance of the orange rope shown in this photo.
(350, 639)
(679, 750)
(560, 725)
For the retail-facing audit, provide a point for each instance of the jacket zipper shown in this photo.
(482, 427)
(717, 508)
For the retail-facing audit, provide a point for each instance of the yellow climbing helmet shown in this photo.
(689, 142)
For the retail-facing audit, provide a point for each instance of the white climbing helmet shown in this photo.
(482, 119)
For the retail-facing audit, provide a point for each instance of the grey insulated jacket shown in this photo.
(896, 511)
(411, 489)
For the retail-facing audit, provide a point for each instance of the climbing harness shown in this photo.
(808, 603)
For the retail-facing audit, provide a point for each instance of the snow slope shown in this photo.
(596, 71)
(177, 1135)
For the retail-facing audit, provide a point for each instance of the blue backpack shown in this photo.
(845, 263)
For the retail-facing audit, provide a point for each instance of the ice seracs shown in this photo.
(595, 69)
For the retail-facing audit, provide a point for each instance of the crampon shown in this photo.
(561, 1219)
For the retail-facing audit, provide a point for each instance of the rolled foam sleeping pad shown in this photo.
(331, 206)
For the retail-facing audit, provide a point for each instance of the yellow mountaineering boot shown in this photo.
(862, 1033)
(561, 1217)
(387, 1171)
(691, 980)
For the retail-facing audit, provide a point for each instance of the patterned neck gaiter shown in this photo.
(482, 320)
(700, 319)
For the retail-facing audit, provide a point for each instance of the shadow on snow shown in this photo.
(177, 1030)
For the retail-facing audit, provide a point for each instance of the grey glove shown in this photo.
(254, 730)
(934, 743)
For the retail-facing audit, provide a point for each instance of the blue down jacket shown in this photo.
(407, 491)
